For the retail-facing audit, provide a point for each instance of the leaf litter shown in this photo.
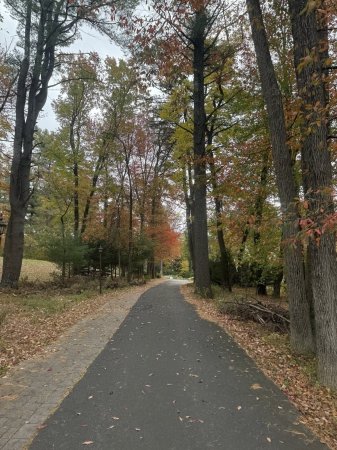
(294, 375)
(28, 327)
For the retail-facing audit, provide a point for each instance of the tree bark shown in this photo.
(317, 175)
(188, 196)
(25, 121)
(277, 284)
(300, 327)
(224, 252)
(202, 277)
(261, 286)
(98, 168)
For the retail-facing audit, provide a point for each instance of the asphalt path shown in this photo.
(169, 380)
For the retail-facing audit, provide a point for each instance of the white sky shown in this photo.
(91, 41)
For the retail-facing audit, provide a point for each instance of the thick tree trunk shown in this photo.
(202, 277)
(19, 188)
(31, 97)
(317, 173)
(14, 246)
(300, 327)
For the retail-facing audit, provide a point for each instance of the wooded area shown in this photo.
(223, 110)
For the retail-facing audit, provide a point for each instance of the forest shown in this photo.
(208, 151)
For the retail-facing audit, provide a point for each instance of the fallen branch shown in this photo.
(273, 317)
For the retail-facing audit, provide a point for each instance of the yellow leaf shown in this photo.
(255, 386)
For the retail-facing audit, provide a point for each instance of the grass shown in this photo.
(43, 307)
(36, 270)
(37, 312)
(30, 297)
(48, 303)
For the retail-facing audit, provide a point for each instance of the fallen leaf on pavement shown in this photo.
(256, 386)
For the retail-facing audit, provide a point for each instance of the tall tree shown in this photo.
(200, 22)
(309, 29)
(73, 107)
(44, 27)
(301, 332)
(191, 30)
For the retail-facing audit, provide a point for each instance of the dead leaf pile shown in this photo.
(271, 352)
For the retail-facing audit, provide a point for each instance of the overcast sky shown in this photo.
(91, 41)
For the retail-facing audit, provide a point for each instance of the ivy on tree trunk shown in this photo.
(317, 175)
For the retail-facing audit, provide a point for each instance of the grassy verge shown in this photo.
(41, 309)
(34, 270)
(295, 375)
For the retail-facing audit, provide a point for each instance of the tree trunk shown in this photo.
(14, 246)
(188, 196)
(54, 25)
(224, 252)
(130, 243)
(261, 289)
(317, 173)
(76, 201)
(277, 284)
(152, 262)
(98, 168)
(261, 286)
(309, 291)
(300, 327)
(26, 114)
(75, 151)
(63, 252)
(202, 277)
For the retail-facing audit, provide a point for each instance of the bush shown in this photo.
(185, 274)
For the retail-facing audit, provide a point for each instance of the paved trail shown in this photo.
(169, 380)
